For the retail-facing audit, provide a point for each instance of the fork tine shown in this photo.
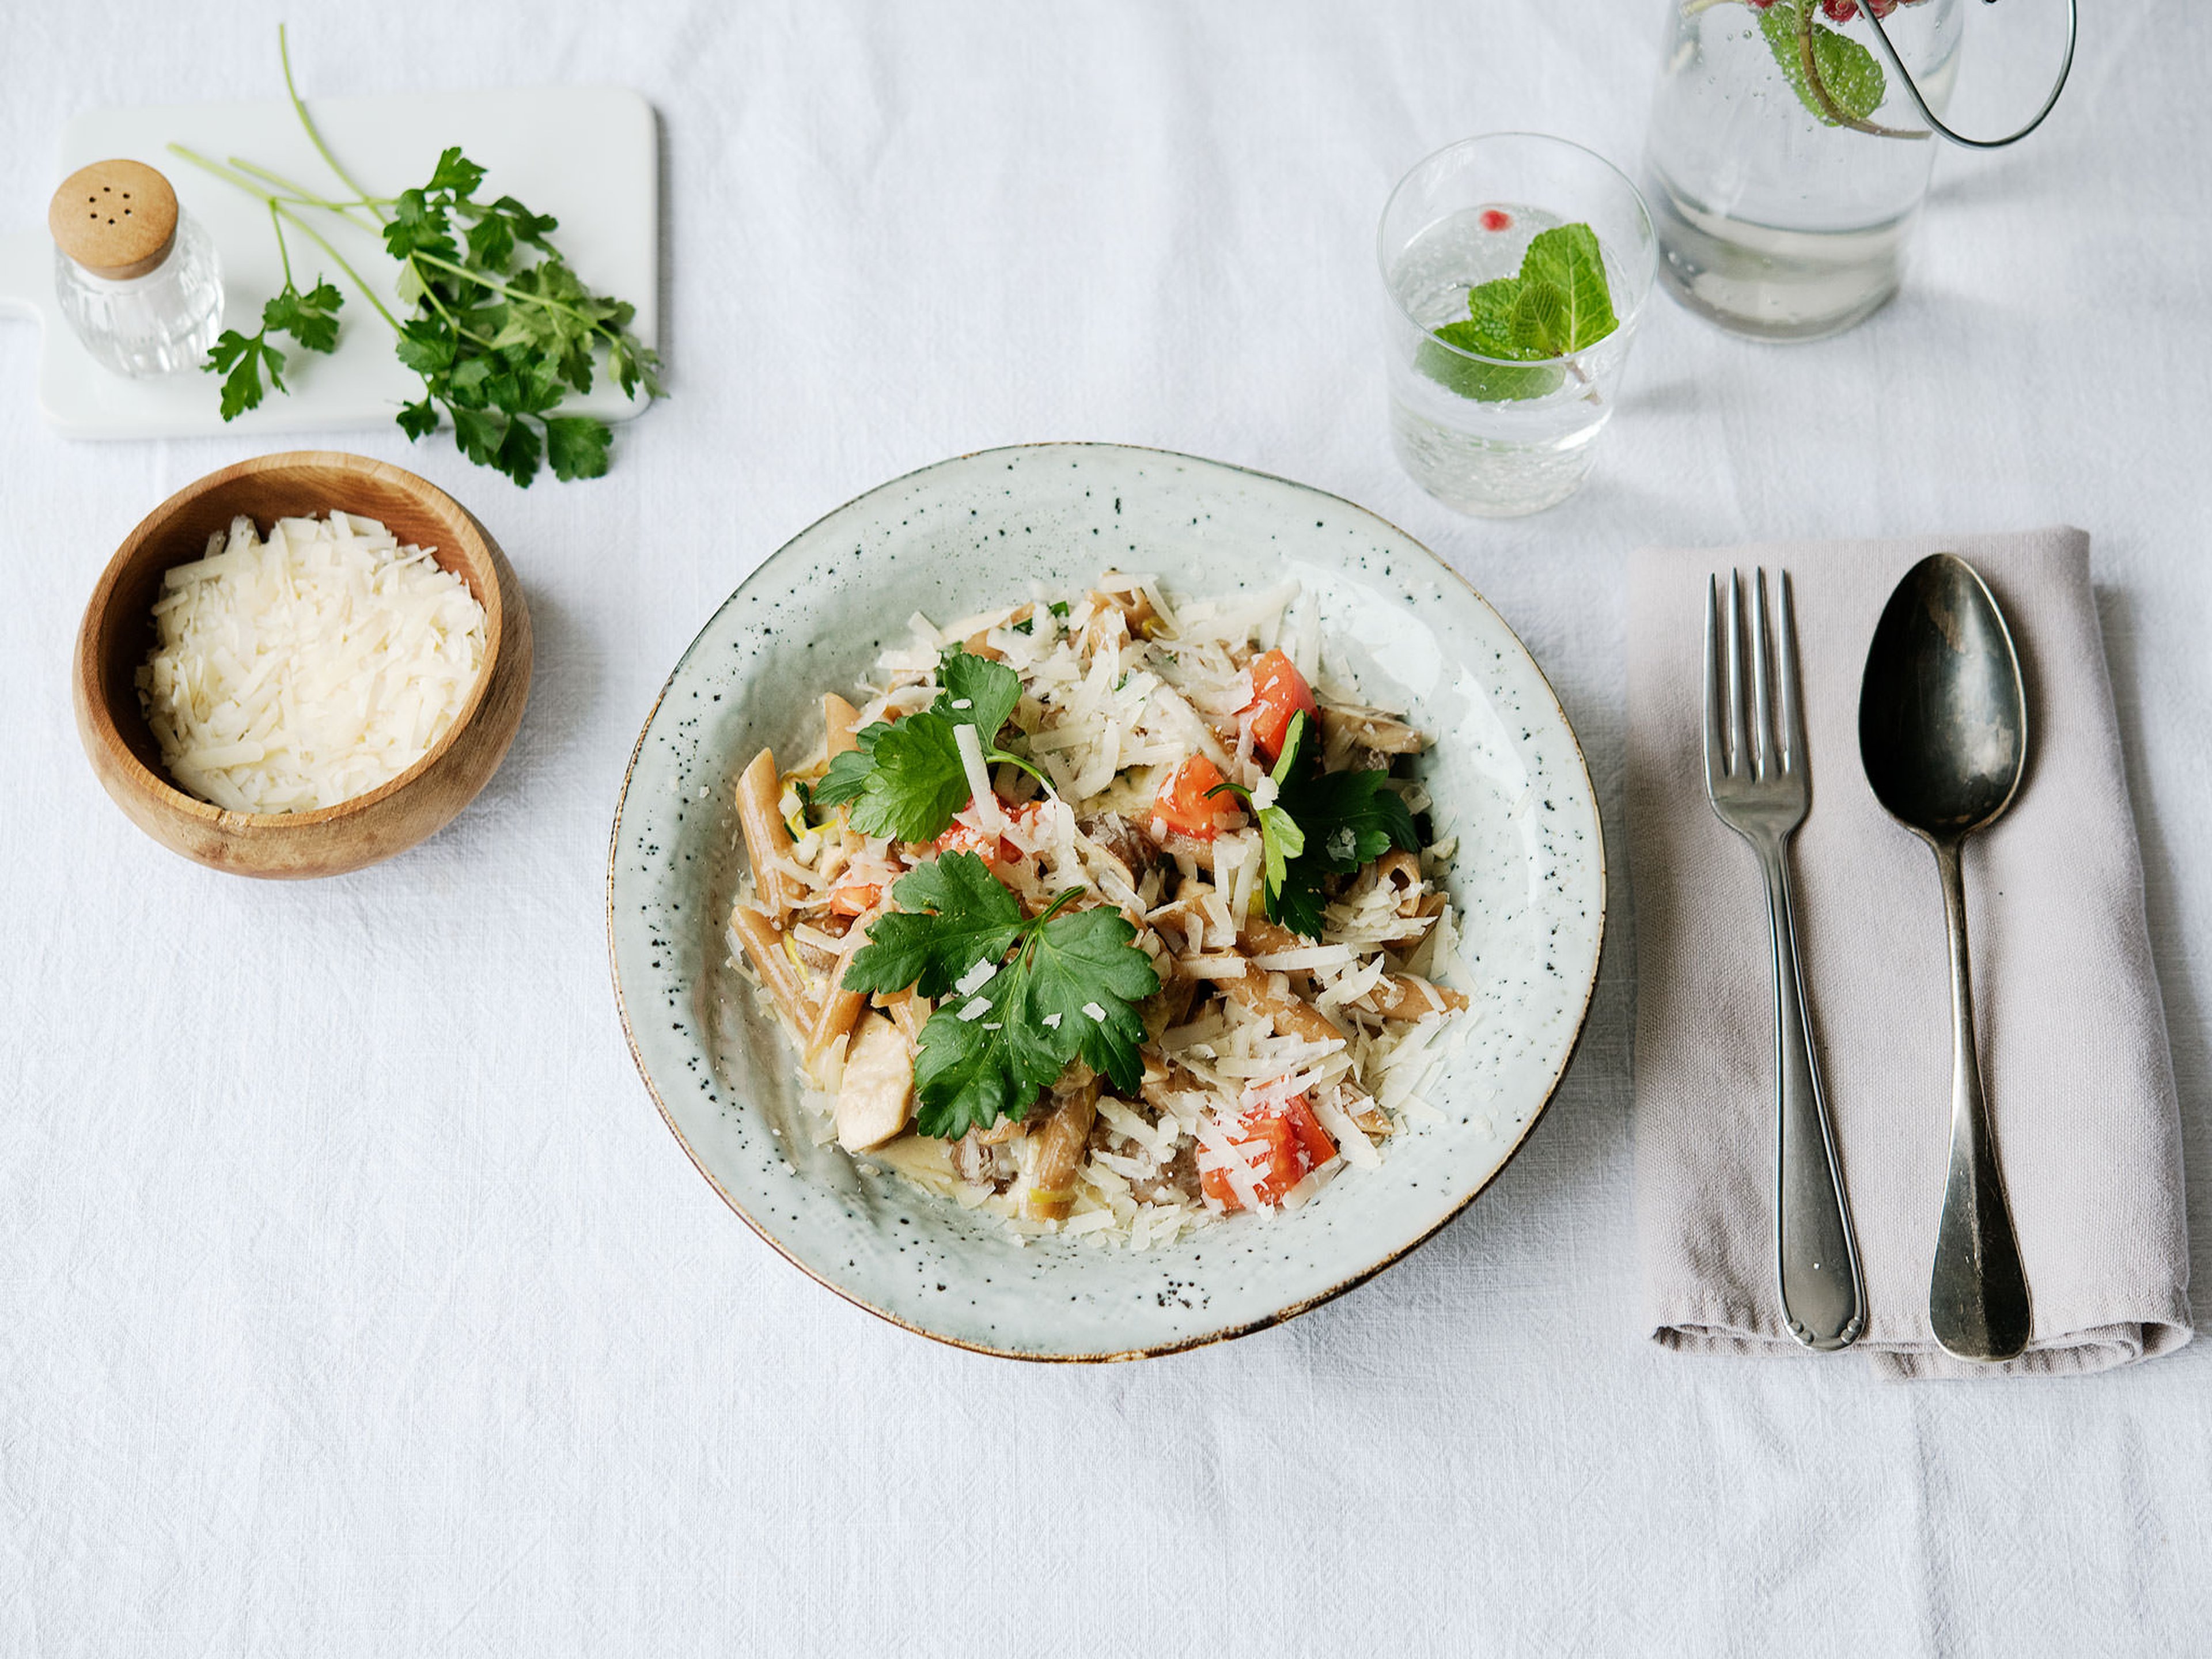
(1741, 763)
(1763, 744)
(1790, 709)
(1715, 749)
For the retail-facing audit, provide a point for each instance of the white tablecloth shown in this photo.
(353, 1297)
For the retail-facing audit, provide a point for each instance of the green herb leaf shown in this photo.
(1852, 74)
(310, 318)
(243, 356)
(916, 782)
(977, 691)
(1558, 303)
(848, 771)
(577, 447)
(1320, 824)
(952, 914)
(1083, 960)
(1485, 382)
(1070, 989)
(1567, 259)
(908, 780)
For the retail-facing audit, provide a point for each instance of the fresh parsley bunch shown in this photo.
(1069, 990)
(1559, 303)
(501, 331)
(1315, 824)
(906, 780)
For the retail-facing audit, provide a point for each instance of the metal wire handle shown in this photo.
(2073, 33)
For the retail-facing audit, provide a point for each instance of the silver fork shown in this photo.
(1760, 779)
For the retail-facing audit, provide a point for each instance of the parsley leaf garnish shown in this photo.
(1320, 824)
(906, 780)
(1069, 990)
(310, 319)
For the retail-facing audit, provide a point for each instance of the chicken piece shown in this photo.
(877, 1096)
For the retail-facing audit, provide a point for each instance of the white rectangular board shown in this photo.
(586, 154)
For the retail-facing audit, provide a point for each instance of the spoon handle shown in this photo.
(1823, 1293)
(1977, 1294)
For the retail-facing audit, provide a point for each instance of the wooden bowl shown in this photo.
(118, 633)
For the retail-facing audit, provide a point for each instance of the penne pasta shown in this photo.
(767, 841)
(764, 950)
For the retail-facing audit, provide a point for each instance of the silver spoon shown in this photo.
(1943, 737)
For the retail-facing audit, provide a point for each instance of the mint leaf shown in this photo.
(1540, 319)
(953, 915)
(1567, 259)
(1850, 73)
(1485, 382)
(1559, 303)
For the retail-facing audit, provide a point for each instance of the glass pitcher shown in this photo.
(1786, 163)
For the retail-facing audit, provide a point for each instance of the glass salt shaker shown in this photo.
(137, 278)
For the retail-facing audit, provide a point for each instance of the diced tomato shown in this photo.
(855, 898)
(1182, 804)
(1283, 1143)
(1279, 693)
(991, 849)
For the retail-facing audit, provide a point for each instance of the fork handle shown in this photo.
(1823, 1291)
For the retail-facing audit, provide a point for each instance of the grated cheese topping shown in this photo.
(302, 671)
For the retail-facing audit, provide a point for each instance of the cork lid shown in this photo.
(117, 219)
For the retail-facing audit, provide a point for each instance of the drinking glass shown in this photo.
(1494, 434)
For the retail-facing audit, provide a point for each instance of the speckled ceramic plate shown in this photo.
(1505, 771)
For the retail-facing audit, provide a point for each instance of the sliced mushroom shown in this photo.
(876, 1095)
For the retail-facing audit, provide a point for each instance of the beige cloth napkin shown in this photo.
(2073, 1035)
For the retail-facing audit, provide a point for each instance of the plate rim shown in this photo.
(1205, 1339)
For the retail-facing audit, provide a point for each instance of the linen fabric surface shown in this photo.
(354, 1298)
(2072, 1034)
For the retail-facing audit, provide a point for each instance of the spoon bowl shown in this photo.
(1942, 712)
(1943, 737)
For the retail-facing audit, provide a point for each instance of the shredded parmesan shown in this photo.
(300, 671)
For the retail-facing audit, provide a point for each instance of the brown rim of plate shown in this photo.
(222, 817)
(1184, 1346)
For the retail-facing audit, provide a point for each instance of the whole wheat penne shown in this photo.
(1060, 1144)
(839, 721)
(767, 839)
(1292, 1015)
(764, 950)
(1407, 996)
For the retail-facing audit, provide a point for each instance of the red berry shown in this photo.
(1495, 219)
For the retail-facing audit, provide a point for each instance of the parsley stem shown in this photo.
(301, 193)
(486, 280)
(284, 55)
(278, 208)
(276, 224)
(995, 756)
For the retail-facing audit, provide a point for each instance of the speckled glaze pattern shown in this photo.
(1505, 771)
